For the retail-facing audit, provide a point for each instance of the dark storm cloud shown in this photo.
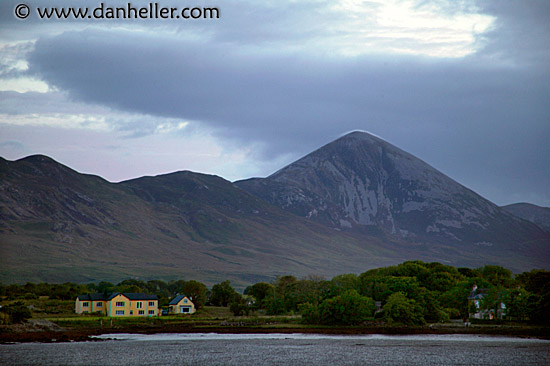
(482, 119)
(521, 33)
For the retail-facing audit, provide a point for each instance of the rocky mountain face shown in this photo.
(527, 211)
(354, 204)
(361, 182)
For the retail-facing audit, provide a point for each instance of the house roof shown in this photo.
(478, 294)
(92, 297)
(177, 299)
(134, 296)
(104, 297)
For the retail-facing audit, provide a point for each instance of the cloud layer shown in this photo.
(463, 86)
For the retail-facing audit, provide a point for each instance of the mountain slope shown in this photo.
(60, 225)
(536, 214)
(361, 182)
(354, 204)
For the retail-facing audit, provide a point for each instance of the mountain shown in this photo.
(535, 214)
(59, 225)
(354, 204)
(362, 183)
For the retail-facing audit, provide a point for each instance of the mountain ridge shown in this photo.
(536, 214)
(57, 224)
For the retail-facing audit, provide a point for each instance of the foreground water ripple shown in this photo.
(282, 349)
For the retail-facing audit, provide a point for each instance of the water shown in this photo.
(282, 349)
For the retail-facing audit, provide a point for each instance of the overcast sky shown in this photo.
(463, 85)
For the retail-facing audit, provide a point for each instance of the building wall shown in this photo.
(118, 311)
(146, 307)
(128, 307)
(175, 309)
(78, 306)
(95, 306)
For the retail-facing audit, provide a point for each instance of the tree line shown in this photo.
(412, 292)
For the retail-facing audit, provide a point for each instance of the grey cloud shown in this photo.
(483, 119)
(16, 103)
(522, 32)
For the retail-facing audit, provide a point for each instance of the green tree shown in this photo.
(309, 289)
(285, 296)
(497, 275)
(274, 303)
(537, 283)
(105, 287)
(400, 309)
(222, 294)
(131, 285)
(467, 272)
(441, 281)
(345, 282)
(287, 291)
(17, 312)
(176, 287)
(239, 305)
(374, 287)
(310, 313)
(415, 269)
(196, 291)
(158, 287)
(517, 302)
(348, 308)
(260, 291)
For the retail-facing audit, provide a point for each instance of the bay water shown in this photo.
(282, 349)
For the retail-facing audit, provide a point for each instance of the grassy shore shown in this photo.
(69, 327)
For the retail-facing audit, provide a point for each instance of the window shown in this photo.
(99, 304)
(185, 309)
(120, 312)
(131, 312)
(85, 304)
(151, 312)
(151, 303)
(142, 312)
(139, 305)
(185, 301)
(120, 303)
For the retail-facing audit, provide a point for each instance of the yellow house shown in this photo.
(118, 304)
(132, 304)
(181, 304)
(90, 303)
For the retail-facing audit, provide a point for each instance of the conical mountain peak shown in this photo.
(360, 181)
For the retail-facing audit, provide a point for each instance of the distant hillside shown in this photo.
(536, 214)
(59, 225)
(355, 204)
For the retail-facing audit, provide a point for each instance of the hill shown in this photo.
(354, 204)
(59, 225)
(527, 211)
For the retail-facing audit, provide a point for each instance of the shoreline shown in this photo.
(83, 335)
